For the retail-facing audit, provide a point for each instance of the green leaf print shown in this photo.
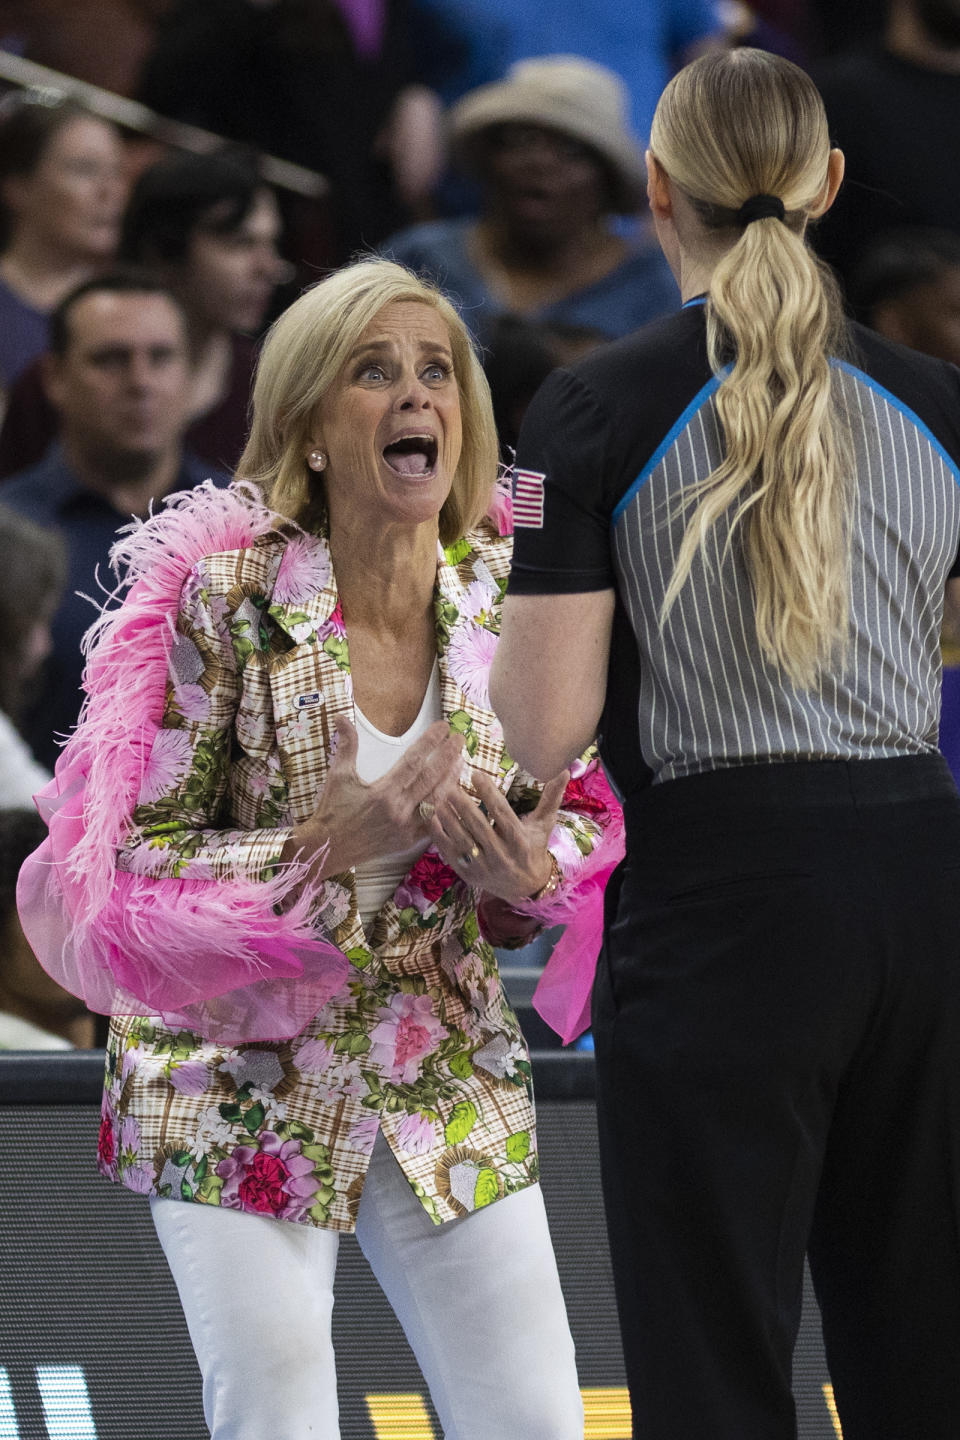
(486, 1189)
(297, 1131)
(461, 1065)
(208, 1191)
(319, 1154)
(469, 931)
(254, 1118)
(461, 723)
(336, 648)
(360, 956)
(463, 1117)
(458, 551)
(230, 1112)
(518, 1146)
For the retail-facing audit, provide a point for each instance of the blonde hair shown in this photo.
(730, 126)
(304, 352)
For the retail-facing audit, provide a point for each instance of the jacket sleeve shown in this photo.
(175, 828)
(587, 840)
(138, 901)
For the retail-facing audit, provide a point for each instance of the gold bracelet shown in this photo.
(552, 883)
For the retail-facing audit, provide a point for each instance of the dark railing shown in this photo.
(131, 115)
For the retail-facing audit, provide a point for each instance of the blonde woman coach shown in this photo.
(731, 551)
(280, 855)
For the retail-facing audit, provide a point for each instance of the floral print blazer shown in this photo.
(421, 1041)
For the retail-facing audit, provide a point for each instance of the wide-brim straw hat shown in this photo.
(560, 92)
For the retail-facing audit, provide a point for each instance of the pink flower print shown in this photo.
(407, 1031)
(193, 702)
(416, 1134)
(272, 1178)
(257, 784)
(501, 507)
(333, 625)
(107, 1140)
(304, 570)
(129, 1136)
(478, 600)
(565, 850)
(428, 879)
(139, 1179)
(190, 1078)
(363, 1133)
(314, 1057)
(469, 658)
(131, 1059)
(168, 765)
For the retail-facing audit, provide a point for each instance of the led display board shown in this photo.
(92, 1342)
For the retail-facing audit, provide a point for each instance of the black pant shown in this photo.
(777, 1025)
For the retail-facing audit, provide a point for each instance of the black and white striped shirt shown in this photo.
(617, 439)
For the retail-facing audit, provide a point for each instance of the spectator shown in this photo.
(61, 199)
(207, 226)
(555, 159)
(642, 43)
(357, 103)
(101, 41)
(35, 1013)
(31, 582)
(907, 286)
(118, 377)
(894, 109)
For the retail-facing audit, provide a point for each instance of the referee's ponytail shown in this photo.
(744, 136)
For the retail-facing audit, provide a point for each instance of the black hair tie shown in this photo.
(761, 207)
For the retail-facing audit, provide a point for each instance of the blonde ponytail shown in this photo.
(730, 127)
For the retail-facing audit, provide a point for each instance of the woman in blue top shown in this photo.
(555, 159)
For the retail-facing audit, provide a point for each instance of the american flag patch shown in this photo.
(528, 499)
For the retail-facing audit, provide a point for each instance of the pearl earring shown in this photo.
(317, 460)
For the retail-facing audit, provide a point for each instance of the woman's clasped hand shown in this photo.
(481, 838)
(493, 848)
(355, 821)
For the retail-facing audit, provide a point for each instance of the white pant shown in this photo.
(478, 1298)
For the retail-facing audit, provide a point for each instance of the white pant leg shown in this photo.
(257, 1294)
(480, 1302)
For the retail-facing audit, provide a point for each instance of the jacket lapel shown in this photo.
(311, 682)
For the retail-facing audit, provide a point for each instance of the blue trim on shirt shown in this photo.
(897, 404)
(694, 300)
(697, 403)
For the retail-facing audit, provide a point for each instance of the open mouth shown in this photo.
(412, 455)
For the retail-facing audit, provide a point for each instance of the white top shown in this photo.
(20, 775)
(377, 753)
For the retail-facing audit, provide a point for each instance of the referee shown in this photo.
(733, 531)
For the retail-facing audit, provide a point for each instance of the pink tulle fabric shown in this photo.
(234, 959)
(562, 995)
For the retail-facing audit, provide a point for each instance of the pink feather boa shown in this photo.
(234, 960)
(562, 995)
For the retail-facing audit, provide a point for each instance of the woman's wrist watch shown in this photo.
(552, 883)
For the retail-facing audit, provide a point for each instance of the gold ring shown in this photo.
(426, 810)
(474, 851)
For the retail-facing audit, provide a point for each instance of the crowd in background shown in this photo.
(495, 146)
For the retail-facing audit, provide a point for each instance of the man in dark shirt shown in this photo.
(894, 110)
(118, 375)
